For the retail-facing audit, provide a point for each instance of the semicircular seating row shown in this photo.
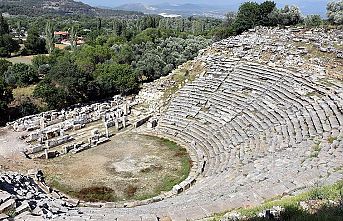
(242, 113)
(248, 110)
(253, 132)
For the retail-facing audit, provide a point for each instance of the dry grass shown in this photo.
(21, 59)
(24, 91)
(293, 210)
(22, 94)
(186, 73)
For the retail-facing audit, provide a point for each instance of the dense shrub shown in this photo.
(20, 75)
(335, 12)
(313, 21)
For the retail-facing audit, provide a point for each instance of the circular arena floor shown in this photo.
(130, 166)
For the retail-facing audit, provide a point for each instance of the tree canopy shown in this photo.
(6, 95)
(20, 74)
(335, 12)
(7, 44)
(34, 44)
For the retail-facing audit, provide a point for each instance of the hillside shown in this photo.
(170, 10)
(57, 7)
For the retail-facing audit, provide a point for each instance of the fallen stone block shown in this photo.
(24, 207)
(8, 205)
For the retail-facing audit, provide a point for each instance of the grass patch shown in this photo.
(90, 194)
(291, 204)
(331, 139)
(151, 169)
(315, 150)
(11, 213)
(130, 191)
(24, 91)
(312, 94)
(326, 82)
(21, 59)
(337, 46)
(205, 109)
(96, 194)
(168, 182)
(181, 76)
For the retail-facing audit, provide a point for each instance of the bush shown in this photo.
(313, 21)
(335, 12)
(21, 75)
(130, 190)
(289, 15)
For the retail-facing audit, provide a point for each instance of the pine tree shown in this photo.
(72, 38)
(49, 37)
(4, 28)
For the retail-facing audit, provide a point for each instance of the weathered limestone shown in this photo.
(22, 197)
(141, 121)
(52, 129)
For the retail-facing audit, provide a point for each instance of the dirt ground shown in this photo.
(132, 166)
(129, 167)
(21, 59)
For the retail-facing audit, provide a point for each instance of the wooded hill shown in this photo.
(58, 7)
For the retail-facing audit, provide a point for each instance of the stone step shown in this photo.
(7, 205)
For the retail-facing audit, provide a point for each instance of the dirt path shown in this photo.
(10, 144)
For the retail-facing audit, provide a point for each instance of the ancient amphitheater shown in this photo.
(255, 127)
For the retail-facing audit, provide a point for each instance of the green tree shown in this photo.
(4, 65)
(7, 44)
(34, 43)
(230, 18)
(115, 40)
(148, 35)
(289, 15)
(27, 107)
(150, 66)
(87, 57)
(125, 55)
(40, 60)
(247, 17)
(313, 21)
(56, 98)
(42, 64)
(66, 81)
(266, 8)
(49, 37)
(115, 78)
(117, 27)
(73, 38)
(223, 32)
(335, 12)
(21, 74)
(6, 95)
(4, 28)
